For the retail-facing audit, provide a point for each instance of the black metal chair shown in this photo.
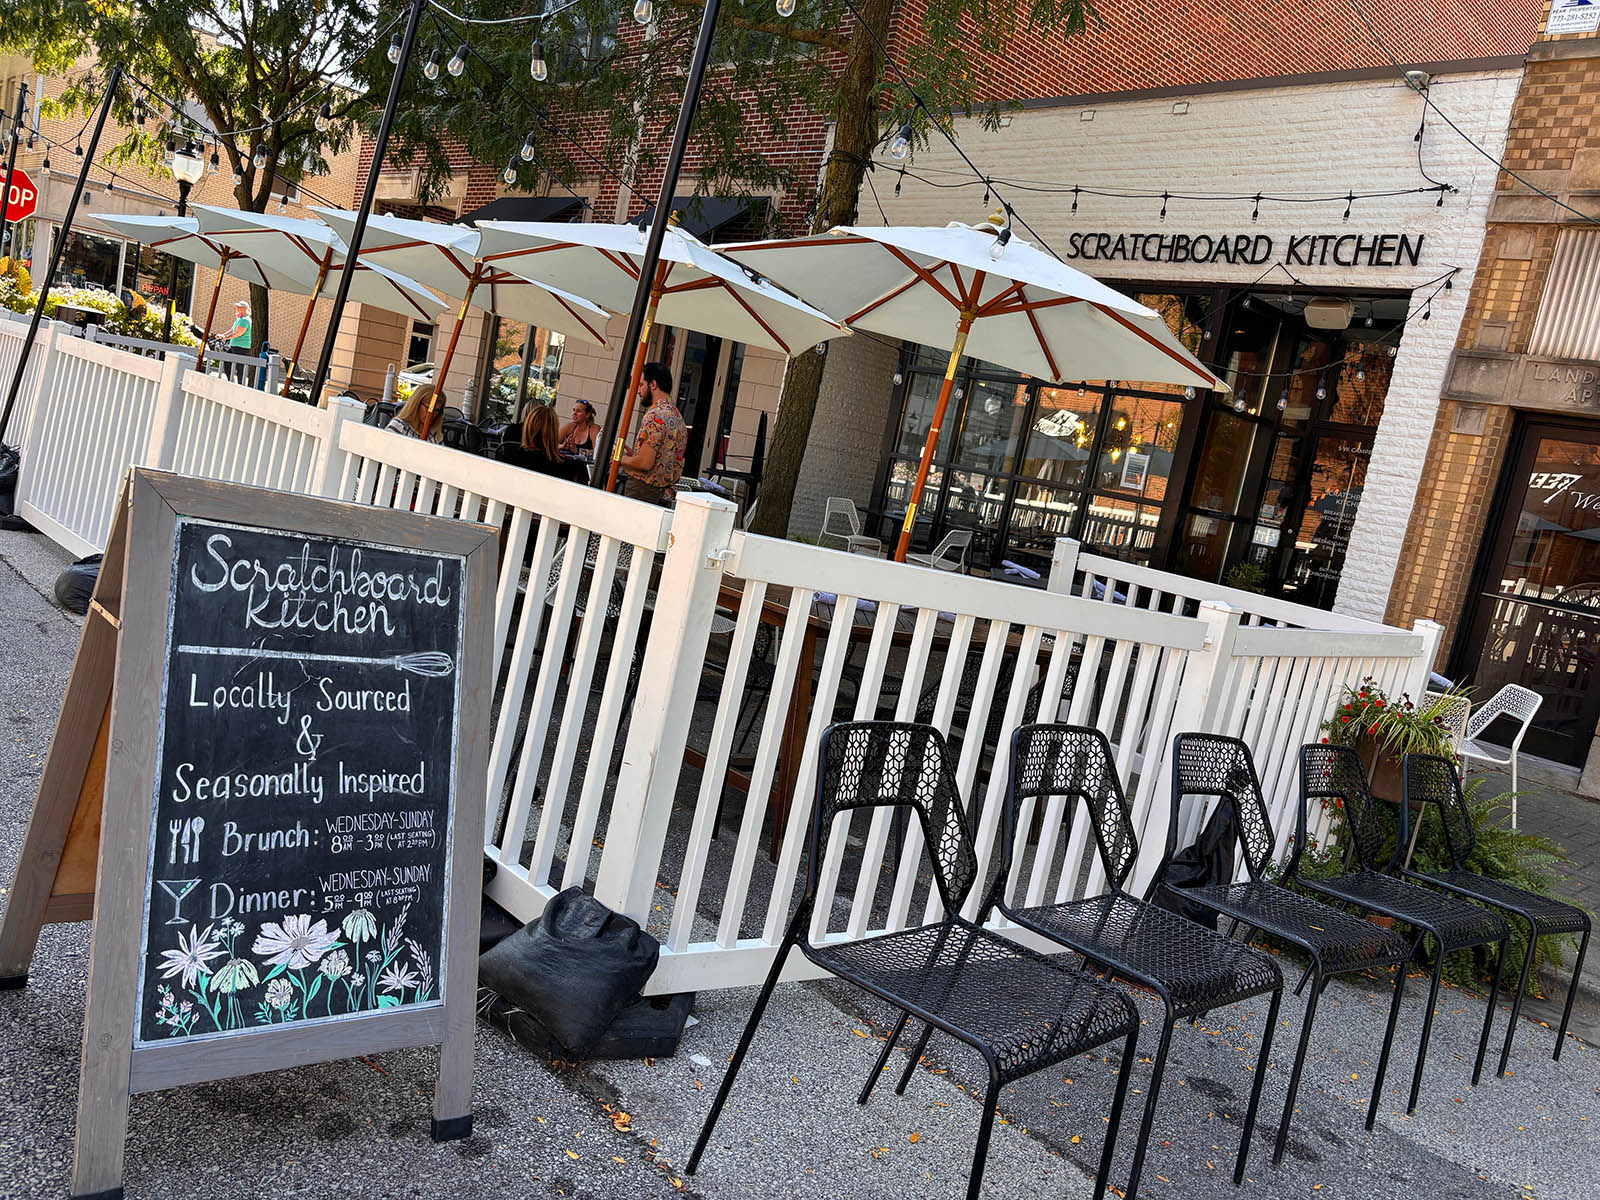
(1206, 764)
(1190, 968)
(1020, 1010)
(1430, 779)
(1335, 773)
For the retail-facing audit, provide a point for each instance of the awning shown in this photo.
(527, 208)
(708, 217)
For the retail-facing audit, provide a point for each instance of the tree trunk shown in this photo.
(259, 317)
(854, 136)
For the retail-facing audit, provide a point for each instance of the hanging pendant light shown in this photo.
(394, 49)
(258, 157)
(643, 11)
(435, 60)
(324, 117)
(509, 175)
(458, 61)
(786, 8)
(537, 67)
(901, 146)
(529, 149)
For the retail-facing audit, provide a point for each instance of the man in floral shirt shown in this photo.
(655, 463)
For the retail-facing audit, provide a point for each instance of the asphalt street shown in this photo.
(359, 1127)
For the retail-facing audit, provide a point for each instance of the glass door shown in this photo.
(1537, 619)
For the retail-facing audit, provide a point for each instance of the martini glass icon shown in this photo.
(177, 889)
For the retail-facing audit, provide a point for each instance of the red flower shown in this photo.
(1372, 729)
(1344, 720)
(1379, 703)
(1324, 741)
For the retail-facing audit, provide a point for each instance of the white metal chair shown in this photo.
(1453, 711)
(950, 554)
(841, 520)
(1513, 701)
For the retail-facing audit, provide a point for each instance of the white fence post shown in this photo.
(161, 450)
(50, 334)
(1431, 633)
(329, 467)
(669, 675)
(1200, 696)
(1063, 565)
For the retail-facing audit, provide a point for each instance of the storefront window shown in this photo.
(90, 260)
(152, 271)
(918, 417)
(1065, 424)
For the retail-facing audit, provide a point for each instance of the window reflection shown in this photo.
(993, 425)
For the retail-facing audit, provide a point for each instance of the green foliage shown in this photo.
(1396, 727)
(1247, 577)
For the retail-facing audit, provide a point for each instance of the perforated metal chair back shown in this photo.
(1514, 701)
(840, 518)
(1430, 779)
(1208, 764)
(1454, 713)
(1050, 760)
(895, 764)
(1335, 773)
(953, 547)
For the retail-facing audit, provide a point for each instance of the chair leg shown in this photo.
(1157, 1070)
(1114, 1119)
(911, 1063)
(883, 1058)
(1427, 1030)
(1299, 1064)
(1255, 1087)
(1488, 1013)
(1572, 990)
(1522, 986)
(1388, 1045)
(1513, 789)
(1299, 987)
(738, 1055)
(980, 1152)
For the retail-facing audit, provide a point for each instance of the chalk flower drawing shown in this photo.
(195, 951)
(296, 943)
(361, 926)
(397, 978)
(236, 975)
(279, 993)
(336, 965)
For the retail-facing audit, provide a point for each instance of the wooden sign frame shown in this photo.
(133, 604)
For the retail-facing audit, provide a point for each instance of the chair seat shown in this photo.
(1030, 1011)
(1456, 923)
(1342, 942)
(1547, 914)
(1484, 751)
(1200, 969)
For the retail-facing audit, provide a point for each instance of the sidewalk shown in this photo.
(622, 1130)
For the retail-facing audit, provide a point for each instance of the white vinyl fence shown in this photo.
(662, 679)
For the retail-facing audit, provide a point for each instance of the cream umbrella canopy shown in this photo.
(694, 287)
(306, 252)
(180, 237)
(446, 257)
(976, 289)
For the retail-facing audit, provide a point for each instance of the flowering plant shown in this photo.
(1396, 727)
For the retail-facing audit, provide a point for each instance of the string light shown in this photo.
(1255, 213)
(1361, 374)
(901, 146)
(1164, 198)
(44, 167)
(786, 8)
(510, 173)
(899, 378)
(537, 67)
(435, 59)
(644, 11)
(216, 162)
(258, 157)
(458, 61)
(394, 49)
(324, 117)
(529, 148)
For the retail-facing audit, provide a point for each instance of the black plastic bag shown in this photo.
(10, 464)
(75, 585)
(1208, 861)
(572, 970)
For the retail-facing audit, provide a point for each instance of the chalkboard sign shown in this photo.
(303, 801)
(275, 744)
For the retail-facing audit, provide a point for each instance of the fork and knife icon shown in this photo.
(185, 833)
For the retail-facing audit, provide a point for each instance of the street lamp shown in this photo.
(187, 168)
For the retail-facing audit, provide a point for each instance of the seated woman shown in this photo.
(577, 435)
(423, 409)
(539, 448)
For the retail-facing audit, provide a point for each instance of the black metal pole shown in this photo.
(609, 433)
(65, 231)
(172, 276)
(11, 161)
(379, 147)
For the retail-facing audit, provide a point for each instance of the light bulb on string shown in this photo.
(960, 392)
(394, 49)
(1188, 393)
(324, 117)
(77, 153)
(237, 179)
(529, 148)
(1393, 350)
(1428, 310)
(458, 61)
(901, 146)
(1361, 374)
(1322, 390)
(1283, 399)
(537, 67)
(644, 11)
(258, 157)
(283, 202)
(899, 378)
(1082, 391)
(216, 162)
(430, 71)
(509, 175)
(1238, 404)
(44, 167)
(1368, 321)
(786, 8)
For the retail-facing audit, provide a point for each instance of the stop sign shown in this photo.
(23, 198)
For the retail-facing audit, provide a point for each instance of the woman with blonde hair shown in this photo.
(424, 406)
(540, 447)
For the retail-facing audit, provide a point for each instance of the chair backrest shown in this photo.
(1453, 714)
(1208, 764)
(1430, 779)
(1514, 701)
(1335, 773)
(894, 764)
(844, 508)
(1074, 761)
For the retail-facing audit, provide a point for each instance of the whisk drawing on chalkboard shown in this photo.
(423, 662)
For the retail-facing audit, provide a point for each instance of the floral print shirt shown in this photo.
(663, 429)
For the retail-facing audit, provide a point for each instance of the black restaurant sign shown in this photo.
(1248, 249)
(300, 826)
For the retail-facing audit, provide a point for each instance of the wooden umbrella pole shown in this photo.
(933, 435)
(633, 385)
(211, 310)
(305, 321)
(449, 352)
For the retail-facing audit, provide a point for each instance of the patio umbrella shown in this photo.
(446, 257)
(694, 288)
(1012, 304)
(306, 252)
(180, 237)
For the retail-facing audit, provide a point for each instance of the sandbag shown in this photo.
(572, 970)
(1208, 861)
(75, 585)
